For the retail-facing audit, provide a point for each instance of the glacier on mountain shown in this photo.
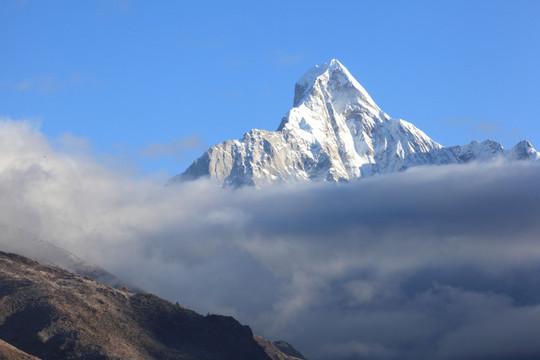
(334, 132)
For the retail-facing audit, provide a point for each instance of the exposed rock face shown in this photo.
(279, 350)
(288, 349)
(334, 132)
(53, 314)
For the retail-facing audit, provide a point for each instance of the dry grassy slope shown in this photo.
(54, 314)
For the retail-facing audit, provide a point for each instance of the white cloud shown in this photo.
(401, 266)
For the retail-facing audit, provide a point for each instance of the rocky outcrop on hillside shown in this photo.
(279, 350)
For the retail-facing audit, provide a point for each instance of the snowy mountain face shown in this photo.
(334, 132)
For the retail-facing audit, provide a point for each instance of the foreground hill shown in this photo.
(53, 314)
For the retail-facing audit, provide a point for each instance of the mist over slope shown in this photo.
(433, 262)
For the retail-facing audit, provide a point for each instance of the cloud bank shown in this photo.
(435, 262)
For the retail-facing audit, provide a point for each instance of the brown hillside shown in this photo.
(53, 314)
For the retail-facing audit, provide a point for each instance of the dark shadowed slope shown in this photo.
(9, 352)
(53, 314)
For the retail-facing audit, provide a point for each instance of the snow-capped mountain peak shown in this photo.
(334, 132)
(337, 80)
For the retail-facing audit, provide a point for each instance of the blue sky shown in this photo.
(152, 84)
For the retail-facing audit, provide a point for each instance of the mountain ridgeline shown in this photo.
(335, 132)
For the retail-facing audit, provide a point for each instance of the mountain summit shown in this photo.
(331, 74)
(334, 132)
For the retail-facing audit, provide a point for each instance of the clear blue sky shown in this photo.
(139, 78)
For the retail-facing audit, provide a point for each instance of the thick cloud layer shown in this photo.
(435, 262)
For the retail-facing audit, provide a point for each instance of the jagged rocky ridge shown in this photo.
(334, 132)
(49, 313)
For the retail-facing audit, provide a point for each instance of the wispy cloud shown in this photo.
(44, 84)
(49, 83)
(82, 79)
(204, 43)
(114, 7)
(480, 127)
(176, 147)
(432, 263)
(286, 59)
(232, 95)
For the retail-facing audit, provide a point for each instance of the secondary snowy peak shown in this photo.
(524, 151)
(334, 132)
